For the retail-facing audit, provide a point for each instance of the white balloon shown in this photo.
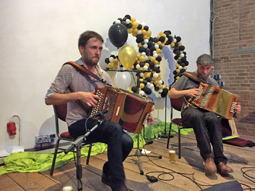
(111, 59)
(122, 80)
(145, 45)
(141, 92)
(155, 75)
(151, 86)
(138, 66)
(145, 67)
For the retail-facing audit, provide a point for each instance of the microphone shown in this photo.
(100, 113)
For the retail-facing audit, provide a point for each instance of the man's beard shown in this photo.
(91, 62)
(202, 75)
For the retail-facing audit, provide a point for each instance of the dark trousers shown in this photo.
(207, 128)
(119, 146)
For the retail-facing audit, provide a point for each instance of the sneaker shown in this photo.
(210, 167)
(224, 169)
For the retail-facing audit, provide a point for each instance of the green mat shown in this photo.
(34, 162)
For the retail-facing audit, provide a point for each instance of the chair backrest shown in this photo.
(60, 113)
(176, 103)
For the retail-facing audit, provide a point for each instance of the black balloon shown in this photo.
(147, 90)
(107, 60)
(146, 28)
(118, 34)
(135, 89)
(139, 27)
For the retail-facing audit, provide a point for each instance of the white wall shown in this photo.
(37, 37)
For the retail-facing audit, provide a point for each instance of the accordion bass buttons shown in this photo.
(233, 106)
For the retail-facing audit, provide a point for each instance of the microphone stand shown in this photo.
(78, 145)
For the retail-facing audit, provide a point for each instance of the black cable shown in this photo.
(193, 178)
(173, 171)
(245, 175)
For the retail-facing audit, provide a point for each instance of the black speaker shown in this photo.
(226, 186)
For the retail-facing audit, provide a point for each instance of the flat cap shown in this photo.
(205, 59)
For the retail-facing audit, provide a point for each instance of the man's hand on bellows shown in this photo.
(192, 92)
(89, 98)
(237, 108)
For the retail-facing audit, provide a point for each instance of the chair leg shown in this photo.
(90, 146)
(179, 141)
(169, 134)
(55, 156)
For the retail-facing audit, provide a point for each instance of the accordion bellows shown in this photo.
(213, 98)
(127, 109)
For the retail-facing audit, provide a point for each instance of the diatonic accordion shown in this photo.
(213, 98)
(126, 108)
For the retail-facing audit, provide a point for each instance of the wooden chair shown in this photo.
(60, 114)
(176, 104)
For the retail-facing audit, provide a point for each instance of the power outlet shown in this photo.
(45, 139)
(38, 139)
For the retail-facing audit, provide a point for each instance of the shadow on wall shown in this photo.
(249, 118)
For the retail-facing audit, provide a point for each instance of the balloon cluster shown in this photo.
(147, 61)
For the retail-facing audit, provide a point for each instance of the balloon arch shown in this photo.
(147, 61)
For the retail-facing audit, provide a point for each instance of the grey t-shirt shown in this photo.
(77, 80)
(185, 83)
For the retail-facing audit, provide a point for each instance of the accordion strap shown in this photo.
(193, 76)
(85, 70)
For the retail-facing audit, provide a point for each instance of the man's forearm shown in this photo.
(173, 93)
(57, 98)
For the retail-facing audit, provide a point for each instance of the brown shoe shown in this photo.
(224, 169)
(210, 167)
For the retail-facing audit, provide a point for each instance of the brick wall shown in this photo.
(234, 38)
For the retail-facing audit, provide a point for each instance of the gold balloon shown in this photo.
(110, 64)
(115, 61)
(132, 19)
(135, 25)
(115, 66)
(127, 56)
(152, 59)
(142, 58)
(130, 30)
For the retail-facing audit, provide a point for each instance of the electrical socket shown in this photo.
(38, 139)
(45, 139)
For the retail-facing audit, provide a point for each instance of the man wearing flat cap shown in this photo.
(206, 125)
